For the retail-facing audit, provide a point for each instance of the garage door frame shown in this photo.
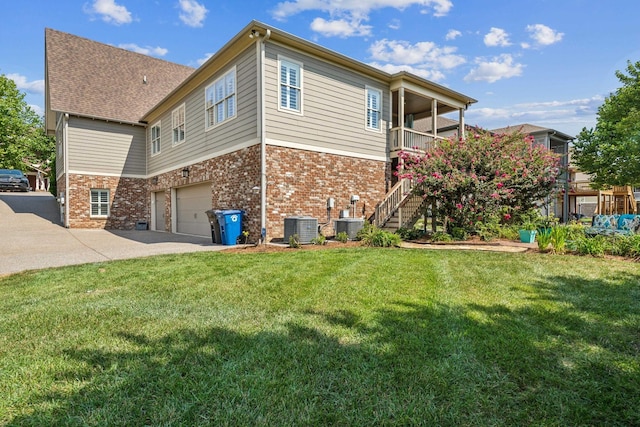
(202, 217)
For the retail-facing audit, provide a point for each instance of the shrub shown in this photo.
(320, 240)
(575, 230)
(441, 236)
(342, 237)
(468, 183)
(294, 241)
(594, 246)
(410, 233)
(508, 232)
(459, 233)
(370, 235)
(488, 231)
(627, 246)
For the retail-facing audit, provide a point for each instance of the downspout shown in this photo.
(263, 141)
(65, 139)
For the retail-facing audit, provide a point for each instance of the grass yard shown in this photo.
(348, 336)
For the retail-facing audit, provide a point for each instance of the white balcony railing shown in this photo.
(413, 140)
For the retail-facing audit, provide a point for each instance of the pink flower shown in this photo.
(507, 217)
(500, 185)
(458, 205)
(495, 195)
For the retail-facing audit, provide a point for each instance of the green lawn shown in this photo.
(348, 336)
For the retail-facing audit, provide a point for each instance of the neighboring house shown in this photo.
(557, 142)
(271, 124)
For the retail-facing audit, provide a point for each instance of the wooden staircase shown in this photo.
(400, 207)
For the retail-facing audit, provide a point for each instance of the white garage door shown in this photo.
(191, 204)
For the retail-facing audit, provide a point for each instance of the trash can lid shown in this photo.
(229, 212)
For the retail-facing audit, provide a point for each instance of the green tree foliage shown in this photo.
(23, 139)
(474, 179)
(610, 153)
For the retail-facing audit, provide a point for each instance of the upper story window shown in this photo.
(220, 99)
(177, 124)
(99, 203)
(374, 98)
(290, 85)
(155, 138)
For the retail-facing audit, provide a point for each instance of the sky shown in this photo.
(549, 63)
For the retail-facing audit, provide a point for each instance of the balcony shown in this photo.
(404, 139)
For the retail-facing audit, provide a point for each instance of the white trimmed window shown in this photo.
(290, 85)
(155, 138)
(374, 98)
(99, 203)
(177, 124)
(220, 99)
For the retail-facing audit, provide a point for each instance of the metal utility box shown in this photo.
(305, 227)
(351, 226)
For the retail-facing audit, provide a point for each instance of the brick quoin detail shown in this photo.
(127, 204)
(299, 183)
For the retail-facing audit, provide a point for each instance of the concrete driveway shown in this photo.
(32, 237)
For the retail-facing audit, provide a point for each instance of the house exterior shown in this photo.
(271, 124)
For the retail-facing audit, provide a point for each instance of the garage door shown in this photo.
(191, 204)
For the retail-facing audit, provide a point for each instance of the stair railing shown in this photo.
(392, 201)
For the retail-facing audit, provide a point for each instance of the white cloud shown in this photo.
(33, 87)
(37, 109)
(500, 67)
(340, 28)
(346, 16)
(204, 59)
(285, 9)
(452, 35)
(429, 74)
(395, 24)
(568, 116)
(110, 12)
(192, 13)
(425, 54)
(543, 35)
(147, 50)
(497, 37)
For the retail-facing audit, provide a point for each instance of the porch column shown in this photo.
(401, 117)
(434, 118)
(461, 129)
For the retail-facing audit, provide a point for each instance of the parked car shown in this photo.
(13, 180)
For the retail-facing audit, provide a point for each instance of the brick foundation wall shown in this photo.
(232, 176)
(128, 201)
(299, 183)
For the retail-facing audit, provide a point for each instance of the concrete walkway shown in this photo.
(32, 237)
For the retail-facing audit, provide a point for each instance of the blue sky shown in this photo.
(546, 62)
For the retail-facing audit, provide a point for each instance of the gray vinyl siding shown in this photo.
(333, 106)
(222, 138)
(100, 147)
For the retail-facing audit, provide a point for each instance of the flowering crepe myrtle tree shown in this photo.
(470, 180)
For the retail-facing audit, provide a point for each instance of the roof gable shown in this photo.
(93, 79)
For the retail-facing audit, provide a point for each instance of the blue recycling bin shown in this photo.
(230, 222)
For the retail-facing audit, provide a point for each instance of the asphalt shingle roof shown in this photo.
(93, 79)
